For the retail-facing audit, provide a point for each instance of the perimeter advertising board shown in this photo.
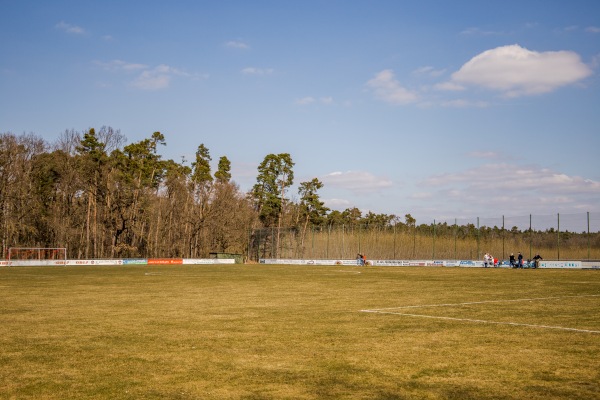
(281, 261)
(428, 263)
(108, 262)
(561, 264)
(206, 261)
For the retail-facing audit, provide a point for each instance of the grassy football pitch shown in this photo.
(298, 332)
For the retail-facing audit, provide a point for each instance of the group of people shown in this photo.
(519, 263)
(489, 260)
(361, 260)
(515, 262)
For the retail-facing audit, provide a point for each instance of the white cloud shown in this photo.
(516, 71)
(337, 204)
(484, 154)
(511, 188)
(592, 29)
(387, 88)
(450, 86)
(310, 100)
(358, 182)
(234, 44)
(595, 61)
(305, 100)
(148, 78)
(257, 71)
(429, 71)
(158, 77)
(68, 28)
(461, 103)
(152, 80)
(421, 195)
(119, 65)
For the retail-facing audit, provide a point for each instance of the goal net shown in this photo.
(37, 253)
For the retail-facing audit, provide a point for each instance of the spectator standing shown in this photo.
(520, 258)
(486, 260)
(536, 261)
(512, 260)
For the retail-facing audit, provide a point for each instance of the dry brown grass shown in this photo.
(273, 332)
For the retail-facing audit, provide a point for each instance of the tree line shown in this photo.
(99, 197)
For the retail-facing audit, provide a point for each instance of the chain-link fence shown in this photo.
(556, 237)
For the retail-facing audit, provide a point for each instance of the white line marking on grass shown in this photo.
(347, 272)
(483, 321)
(482, 302)
(388, 311)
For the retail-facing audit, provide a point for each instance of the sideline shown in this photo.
(482, 302)
(388, 311)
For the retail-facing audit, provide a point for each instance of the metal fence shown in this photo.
(555, 237)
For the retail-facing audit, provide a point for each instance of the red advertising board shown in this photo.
(165, 261)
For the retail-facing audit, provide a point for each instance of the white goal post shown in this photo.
(37, 253)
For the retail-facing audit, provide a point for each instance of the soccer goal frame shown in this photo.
(37, 253)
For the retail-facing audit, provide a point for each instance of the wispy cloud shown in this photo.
(153, 79)
(429, 71)
(303, 101)
(386, 88)
(158, 77)
(484, 154)
(257, 71)
(147, 77)
(593, 29)
(235, 44)
(515, 71)
(337, 204)
(449, 86)
(595, 63)
(358, 182)
(508, 187)
(570, 28)
(69, 28)
(463, 103)
(119, 65)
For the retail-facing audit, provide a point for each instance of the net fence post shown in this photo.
(313, 242)
(478, 238)
(455, 234)
(327, 247)
(503, 239)
(433, 250)
(530, 236)
(395, 240)
(558, 235)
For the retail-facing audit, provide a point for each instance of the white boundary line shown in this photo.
(384, 311)
(481, 302)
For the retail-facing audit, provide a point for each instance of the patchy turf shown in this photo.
(291, 332)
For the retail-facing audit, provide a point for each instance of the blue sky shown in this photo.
(435, 108)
